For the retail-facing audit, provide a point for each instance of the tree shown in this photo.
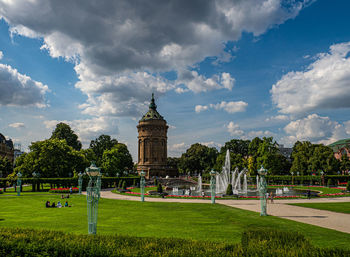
(117, 160)
(236, 159)
(253, 154)
(6, 167)
(301, 154)
(344, 163)
(51, 158)
(173, 162)
(236, 146)
(100, 144)
(198, 158)
(63, 131)
(323, 159)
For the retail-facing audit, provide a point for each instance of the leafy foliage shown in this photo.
(116, 160)
(6, 167)
(51, 158)
(229, 190)
(63, 131)
(100, 144)
(198, 158)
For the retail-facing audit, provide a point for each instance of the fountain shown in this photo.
(223, 178)
(279, 191)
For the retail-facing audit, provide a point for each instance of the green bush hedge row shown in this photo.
(106, 182)
(29, 242)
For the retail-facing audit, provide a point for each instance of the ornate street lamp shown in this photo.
(92, 196)
(262, 190)
(292, 178)
(80, 181)
(142, 185)
(19, 183)
(212, 185)
(322, 177)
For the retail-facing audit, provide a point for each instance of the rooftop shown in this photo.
(152, 113)
(340, 144)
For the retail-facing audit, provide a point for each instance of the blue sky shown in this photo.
(219, 69)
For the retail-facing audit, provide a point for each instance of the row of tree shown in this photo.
(62, 155)
(306, 158)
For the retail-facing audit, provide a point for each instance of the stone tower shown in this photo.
(152, 145)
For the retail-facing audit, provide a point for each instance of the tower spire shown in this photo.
(153, 105)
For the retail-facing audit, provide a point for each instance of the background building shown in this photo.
(6, 148)
(340, 148)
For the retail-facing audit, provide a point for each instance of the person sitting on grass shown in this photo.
(47, 204)
(62, 197)
(66, 204)
(59, 205)
(53, 205)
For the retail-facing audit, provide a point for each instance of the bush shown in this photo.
(29, 242)
(348, 186)
(159, 188)
(120, 183)
(1, 192)
(330, 182)
(64, 190)
(229, 190)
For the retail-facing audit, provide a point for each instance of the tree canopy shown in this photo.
(117, 160)
(63, 131)
(100, 144)
(6, 167)
(198, 158)
(51, 158)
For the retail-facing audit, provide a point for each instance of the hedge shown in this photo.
(29, 242)
(106, 182)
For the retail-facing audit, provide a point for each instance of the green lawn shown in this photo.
(336, 207)
(178, 220)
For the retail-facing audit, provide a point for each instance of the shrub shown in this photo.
(330, 182)
(348, 186)
(160, 188)
(1, 192)
(120, 183)
(229, 190)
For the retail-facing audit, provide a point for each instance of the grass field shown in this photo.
(179, 220)
(336, 207)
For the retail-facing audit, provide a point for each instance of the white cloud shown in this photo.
(179, 146)
(277, 118)
(1, 55)
(198, 83)
(17, 89)
(88, 129)
(200, 108)
(316, 129)
(111, 40)
(212, 144)
(323, 85)
(17, 125)
(234, 129)
(230, 107)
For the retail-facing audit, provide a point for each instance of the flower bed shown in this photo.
(64, 190)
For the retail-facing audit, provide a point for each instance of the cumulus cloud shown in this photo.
(17, 125)
(1, 55)
(230, 107)
(88, 129)
(110, 40)
(212, 144)
(17, 89)
(234, 129)
(316, 129)
(323, 85)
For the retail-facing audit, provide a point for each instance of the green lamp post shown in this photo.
(19, 183)
(142, 185)
(80, 181)
(262, 190)
(212, 185)
(92, 196)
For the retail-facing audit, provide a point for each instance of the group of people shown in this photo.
(53, 205)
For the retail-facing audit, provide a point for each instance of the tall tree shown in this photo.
(51, 158)
(117, 160)
(100, 144)
(344, 163)
(323, 159)
(198, 158)
(63, 131)
(6, 167)
(236, 146)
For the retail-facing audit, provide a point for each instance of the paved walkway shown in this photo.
(280, 208)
